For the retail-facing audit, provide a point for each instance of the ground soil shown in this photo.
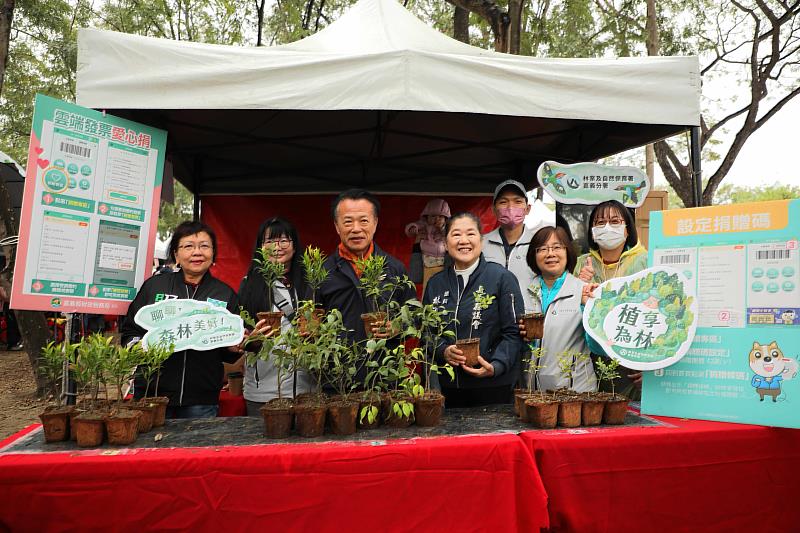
(19, 406)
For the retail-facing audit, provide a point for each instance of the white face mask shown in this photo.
(610, 236)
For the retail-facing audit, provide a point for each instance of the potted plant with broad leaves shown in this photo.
(308, 354)
(52, 363)
(152, 358)
(616, 405)
(309, 314)
(370, 398)
(278, 412)
(471, 346)
(397, 380)
(339, 372)
(379, 291)
(122, 423)
(428, 324)
(569, 402)
(272, 271)
(92, 356)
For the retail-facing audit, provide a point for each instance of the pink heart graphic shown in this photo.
(39, 150)
(43, 163)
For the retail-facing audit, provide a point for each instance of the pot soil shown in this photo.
(122, 427)
(615, 409)
(342, 415)
(277, 418)
(309, 419)
(55, 421)
(391, 418)
(310, 327)
(160, 412)
(369, 399)
(471, 349)
(235, 383)
(273, 319)
(592, 410)
(428, 409)
(534, 325)
(377, 318)
(542, 413)
(569, 413)
(89, 429)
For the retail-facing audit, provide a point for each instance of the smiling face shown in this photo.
(464, 242)
(283, 249)
(356, 224)
(195, 254)
(766, 360)
(551, 257)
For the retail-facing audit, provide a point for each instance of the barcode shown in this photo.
(74, 149)
(773, 254)
(681, 259)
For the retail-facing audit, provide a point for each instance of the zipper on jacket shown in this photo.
(455, 316)
(183, 378)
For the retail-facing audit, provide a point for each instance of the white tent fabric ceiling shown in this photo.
(379, 99)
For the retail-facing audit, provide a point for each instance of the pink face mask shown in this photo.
(511, 216)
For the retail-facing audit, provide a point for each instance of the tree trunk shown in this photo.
(260, 14)
(461, 24)
(515, 25)
(652, 42)
(6, 16)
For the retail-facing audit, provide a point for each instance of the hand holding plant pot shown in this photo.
(470, 347)
(272, 271)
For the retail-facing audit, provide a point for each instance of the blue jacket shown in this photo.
(501, 344)
(760, 382)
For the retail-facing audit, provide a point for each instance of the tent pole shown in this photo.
(198, 174)
(697, 178)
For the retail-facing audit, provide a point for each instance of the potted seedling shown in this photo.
(472, 346)
(52, 363)
(379, 291)
(278, 412)
(122, 423)
(310, 355)
(569, 403)
(429, 325)
(373, 382)
(309, 314)
(152, 359)
(531, 369)
(534, 325)
(616, 405)
(397, 403)
(339, 372)
(90, 364)
(272, 272)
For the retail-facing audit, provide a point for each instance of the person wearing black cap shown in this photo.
(508, 244)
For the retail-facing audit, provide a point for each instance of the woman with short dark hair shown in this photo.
(191, 379)
(560, 297)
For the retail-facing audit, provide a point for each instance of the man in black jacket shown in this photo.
(355, 216)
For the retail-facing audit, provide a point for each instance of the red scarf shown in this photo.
(351, 258)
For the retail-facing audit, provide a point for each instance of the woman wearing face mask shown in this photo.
(261, 379)
(614, 251)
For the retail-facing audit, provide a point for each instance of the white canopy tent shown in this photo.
(379, 99)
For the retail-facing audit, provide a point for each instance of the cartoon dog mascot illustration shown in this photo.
(771, 369)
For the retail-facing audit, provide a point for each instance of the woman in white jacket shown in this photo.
(560, 296)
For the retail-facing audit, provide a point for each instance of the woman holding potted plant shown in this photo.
(190, 379)
(280, 237)
(482, 301)
(560, 296)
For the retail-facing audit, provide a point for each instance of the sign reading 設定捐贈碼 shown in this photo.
(592, 183)
(89, 210)
(745, 263)
(189, 325)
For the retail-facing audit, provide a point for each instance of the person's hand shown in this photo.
(587, 272)
(587, 291)
(454, 356)
(486, 370)
(522, 331)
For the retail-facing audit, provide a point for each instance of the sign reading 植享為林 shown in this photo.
(646, 320)
(89, 210)
(592, 183)
(189, 325)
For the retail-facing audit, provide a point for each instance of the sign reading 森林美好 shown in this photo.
(189, 325)
(89, 210)
(646, 320)
(744, 260)
(592, 183)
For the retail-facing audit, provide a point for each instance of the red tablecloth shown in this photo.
(446, 484)
(696, 476)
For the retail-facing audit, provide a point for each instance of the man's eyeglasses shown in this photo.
(557, 248)
(191, 247)
(280, 243)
